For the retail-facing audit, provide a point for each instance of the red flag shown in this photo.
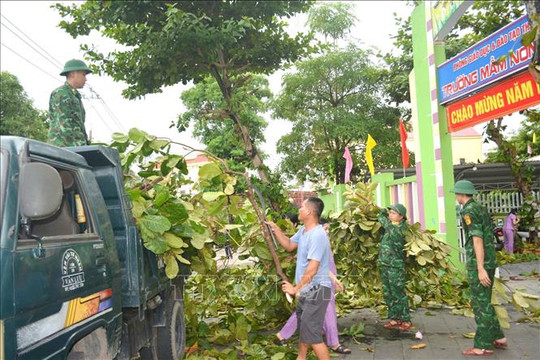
(404, 151)
(348, 164)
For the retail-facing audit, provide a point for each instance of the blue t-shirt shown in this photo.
(313, 245)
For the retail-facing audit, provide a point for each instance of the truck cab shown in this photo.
(75, 279)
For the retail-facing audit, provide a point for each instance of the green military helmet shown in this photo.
(75, 65)
(464, 187)
(400, 209)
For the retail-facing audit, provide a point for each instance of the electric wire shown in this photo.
(56, 62)
(31, 63)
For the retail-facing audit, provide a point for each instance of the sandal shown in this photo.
(500, 345)
(471, 352)
(406, 325)
(341, 349)
(392, 324)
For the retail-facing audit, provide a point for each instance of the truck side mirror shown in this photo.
(40, 191)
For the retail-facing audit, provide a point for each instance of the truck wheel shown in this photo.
(171, 339)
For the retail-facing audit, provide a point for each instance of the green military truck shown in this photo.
(75, 279)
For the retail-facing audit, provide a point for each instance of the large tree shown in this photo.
(18, 116)
(514, 149)
(334, 101)
(207, 111)
(165, 43)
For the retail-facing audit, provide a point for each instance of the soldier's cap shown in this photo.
(75, 65)
(400, 209)
(464, 187)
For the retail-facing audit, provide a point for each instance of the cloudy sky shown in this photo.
(28, 26)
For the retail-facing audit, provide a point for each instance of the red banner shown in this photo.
(513, 94)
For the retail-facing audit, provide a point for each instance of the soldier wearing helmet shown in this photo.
(66, 110)
(481, 265)
(392, 266)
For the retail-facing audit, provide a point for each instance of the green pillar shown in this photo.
(434, 169)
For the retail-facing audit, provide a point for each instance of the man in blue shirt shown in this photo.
(313, 284)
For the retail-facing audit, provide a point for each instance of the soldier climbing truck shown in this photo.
(75, 279)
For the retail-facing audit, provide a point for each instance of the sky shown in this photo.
(108, 111)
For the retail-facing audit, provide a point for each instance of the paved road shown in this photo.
(443, 331)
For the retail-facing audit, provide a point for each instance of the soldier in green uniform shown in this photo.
(66, 111)
(392, 266)
(481, 265)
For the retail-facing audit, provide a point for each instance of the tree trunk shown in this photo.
(241, 130)
(494, 134)
(533, 10)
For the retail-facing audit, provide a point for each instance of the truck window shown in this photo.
(3, 180)
(72, 217)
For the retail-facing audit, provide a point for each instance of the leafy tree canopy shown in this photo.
(334, 20)
(334, 101)
(18, 116)
(521, 140)
(166, 43)
(212, 125)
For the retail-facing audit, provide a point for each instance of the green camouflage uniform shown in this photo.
(66, 115)
(392, 266)
(477, 222)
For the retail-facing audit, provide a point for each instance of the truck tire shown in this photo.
(171, 338)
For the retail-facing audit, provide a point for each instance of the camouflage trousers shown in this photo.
(488, 328)
(393, 282)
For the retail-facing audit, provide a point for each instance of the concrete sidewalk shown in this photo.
(443, 336)
(443, 331)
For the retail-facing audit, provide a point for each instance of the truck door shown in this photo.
(65, 283)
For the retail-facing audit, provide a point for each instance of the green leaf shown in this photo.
(217, 206)
(147, 173)
(198, 241)
(138, 207)
(212, 196)
(120, 138)
(229, 189)
(173, 240)
(529, 37)
(209, 171)
(156, 223)
(137, 136)
(182, 259)
(162, 195)
(159, 144)
(278, 356)
(262, 252)
(175, 211)
(520, 300)
(242, 328)
(171, 266)
(157, 245)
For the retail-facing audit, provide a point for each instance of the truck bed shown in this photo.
(142, 279)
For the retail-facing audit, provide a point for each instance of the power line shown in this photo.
(107, 108)
(30, 45)
(55, 63)
(101, 117)
(31, 63)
